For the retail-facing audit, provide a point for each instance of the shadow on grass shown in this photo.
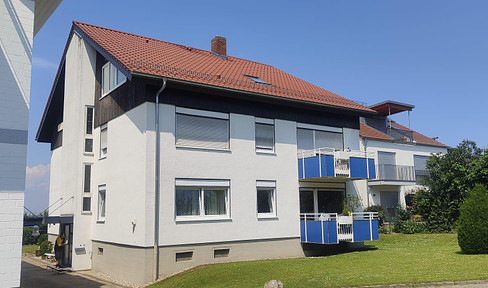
(317, 250)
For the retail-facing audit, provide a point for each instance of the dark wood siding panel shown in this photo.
(121, 100)
(139, 90)
(195, 100)
(57, 140)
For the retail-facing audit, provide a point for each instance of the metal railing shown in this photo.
(341, 159)
(388, 172)
(345, 224)
(344, 228)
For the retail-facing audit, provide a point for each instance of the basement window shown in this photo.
(257, 79)
(184, 256)
(221, 253)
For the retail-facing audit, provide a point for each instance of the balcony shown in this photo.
(327, 162)
(400, 135)
(420, 175)
(330, 228)
(394, 175)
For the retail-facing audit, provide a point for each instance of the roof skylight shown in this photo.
(257, 79)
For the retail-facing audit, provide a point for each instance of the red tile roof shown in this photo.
(419, 138)
(138, 54)
(370, 132)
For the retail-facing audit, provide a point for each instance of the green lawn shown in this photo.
(29, 248)
(397, 259)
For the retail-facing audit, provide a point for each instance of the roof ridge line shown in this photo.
(78, 23)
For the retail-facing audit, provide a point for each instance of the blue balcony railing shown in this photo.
(330, 228)
(327, 162)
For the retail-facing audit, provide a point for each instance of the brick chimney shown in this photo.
(219, 46)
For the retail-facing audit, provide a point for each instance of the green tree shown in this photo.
(451, 175)
(473, 222)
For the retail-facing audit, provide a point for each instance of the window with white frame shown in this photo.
(103, 141)
(309, 139)
(102, 196)
(201, 198)
(266, 198)
(86, 203)
(265, 135)
(111, 78)
(202, 129)
(89, 129)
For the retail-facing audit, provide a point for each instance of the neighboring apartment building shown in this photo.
(215, 178)
(19, 22)
(401, 154)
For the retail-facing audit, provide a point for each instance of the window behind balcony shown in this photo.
(420, 167)
(309, 139)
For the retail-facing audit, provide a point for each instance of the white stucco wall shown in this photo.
(124, 173)
(16, 33)
(242, 166)
(67, 162)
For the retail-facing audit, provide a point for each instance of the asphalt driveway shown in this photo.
(34, 274)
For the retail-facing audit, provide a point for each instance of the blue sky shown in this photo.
(432, 54)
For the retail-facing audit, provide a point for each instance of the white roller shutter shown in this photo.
(202, 132)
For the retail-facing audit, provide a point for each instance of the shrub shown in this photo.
(27, 237)
(351, 204)
(45, 247)
(41, 239)
(412, 227)
(381, 213)
(401, 215)
(473, 222)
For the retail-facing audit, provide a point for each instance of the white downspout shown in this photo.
(157, 185)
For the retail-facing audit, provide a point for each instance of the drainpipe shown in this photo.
(157, 190)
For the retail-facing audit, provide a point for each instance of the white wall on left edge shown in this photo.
(16, 33)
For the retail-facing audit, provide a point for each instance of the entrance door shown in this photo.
(67, 251)
(319, 200)
(389, 201)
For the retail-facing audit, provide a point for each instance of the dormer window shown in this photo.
(111, 78)
(257, 79)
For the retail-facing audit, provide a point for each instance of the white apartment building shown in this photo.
(165, 157)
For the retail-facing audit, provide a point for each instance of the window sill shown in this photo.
(91, 154)
(101, 158)
(101, 221)
(203, 149)
(202, 219)
(111, 90)
(265, 152)
(267, 217)
(86, 213)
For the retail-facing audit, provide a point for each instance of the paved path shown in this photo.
(34, 274)
(462, 284)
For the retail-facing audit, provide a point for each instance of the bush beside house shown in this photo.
(473, 222)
